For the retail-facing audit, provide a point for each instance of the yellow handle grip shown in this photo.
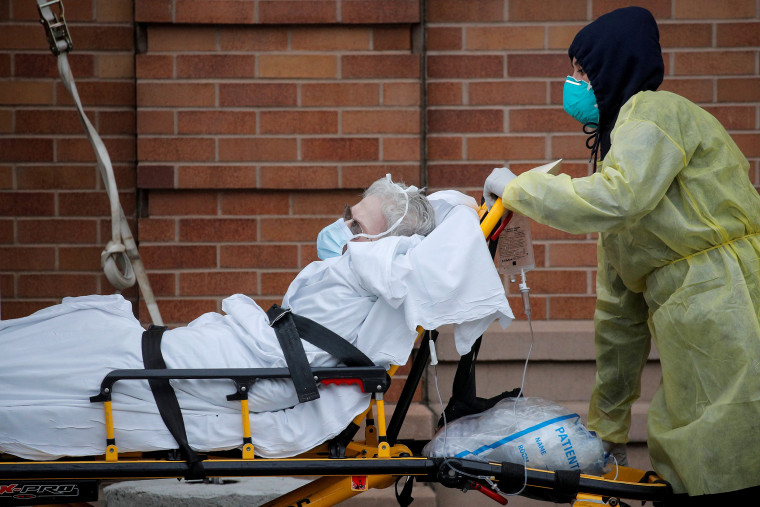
(492, 218)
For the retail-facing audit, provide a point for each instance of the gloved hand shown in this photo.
(619, 451)
(495, 184)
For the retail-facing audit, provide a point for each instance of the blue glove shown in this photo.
(495, 184)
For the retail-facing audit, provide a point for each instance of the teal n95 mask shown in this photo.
(579, 101)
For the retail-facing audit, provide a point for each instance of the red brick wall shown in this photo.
(241, 127)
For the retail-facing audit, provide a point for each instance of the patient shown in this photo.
(380, 277)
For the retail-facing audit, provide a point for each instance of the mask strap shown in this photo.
(406, 193)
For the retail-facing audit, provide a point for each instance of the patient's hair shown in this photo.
(420, 219)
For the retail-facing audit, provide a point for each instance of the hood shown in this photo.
(620, 53)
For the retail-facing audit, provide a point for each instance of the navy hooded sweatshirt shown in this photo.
(620, 53)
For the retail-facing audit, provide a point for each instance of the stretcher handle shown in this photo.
(492, 216)
(372, 379)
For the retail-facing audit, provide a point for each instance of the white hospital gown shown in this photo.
(53, 360)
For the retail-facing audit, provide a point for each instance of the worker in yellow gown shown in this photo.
(678, 261)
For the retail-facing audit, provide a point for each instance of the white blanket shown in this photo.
(374, 296)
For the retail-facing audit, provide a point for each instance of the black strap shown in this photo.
(404, 498)
(291, 329)
(292, 348)
(166, 399)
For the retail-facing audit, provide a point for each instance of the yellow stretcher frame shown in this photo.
(374, 462)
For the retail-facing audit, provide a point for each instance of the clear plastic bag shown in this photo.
(533, 431)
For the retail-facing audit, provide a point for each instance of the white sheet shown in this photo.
(54, 360)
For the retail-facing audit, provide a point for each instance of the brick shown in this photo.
(181, 39)
(340, 94)
(543, 232)
(26, 149)
(41, 66)
(114, 11)
(307, 66)
(163, 284)
(257, 94)
(100, 93)
(401, 149)
(253, 38)
(258, 256)
(504, 37)
(289, 177)
(444, 93)
(115, 122)
(17, 309)
(218, 283)
(6, 231)
(715, 63)
(659, 9)
(444, 38)
(216, 177)
(178, 256)
(548, 10)
(330, 38)
(444, 148)
(276, 283)
(169, 203)
(467, 174)
(380, 66)
(685, 35)
(507, 92)
(38, 121)
(176, 149)
(155, 176)
(92, 204)
(299, 122)
(216, 122)
(561, 36)
(292, 229)
(557, 281)
(216, 66)
(5, 65)
(362, 176)
(26, 92)
(22, 37)
(734, 118)
(330, 204)
(154, 11)
(156, 229)
(179, 312)
(738, 34)
(749, 144)
(465, 66)
(202, 230)
(401, 94)
(505, 148)
(154, 66)
(380, 11)
(302, 12)
(80, 150)
(115, 66)
(738, 89)
(308, 255)
(250, 149)
(382, 121)
(442, 11)
(572, 255)
(103, 38)
(254, 203)
(14, 258)
(58, 231)
(85, 258)
(214, 11)
(56, 177)
(571, 308)
(569, 146)
(175, 94)
(705, 9)
(343, 149)
(541, 120)
(56, 285)
(696, 90)
(155, 122)
(465, 120)
(391, 38)
(543, 65)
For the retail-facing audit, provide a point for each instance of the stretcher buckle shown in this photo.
(56, 29)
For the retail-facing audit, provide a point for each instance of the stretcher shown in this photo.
(345, 466)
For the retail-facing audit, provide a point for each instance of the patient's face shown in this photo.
(368, 216)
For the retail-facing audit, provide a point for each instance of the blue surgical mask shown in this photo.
(332, 239)
(579, 101)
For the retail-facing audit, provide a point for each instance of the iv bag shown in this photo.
(515, 250)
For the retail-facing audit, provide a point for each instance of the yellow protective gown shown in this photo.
(679, 261)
